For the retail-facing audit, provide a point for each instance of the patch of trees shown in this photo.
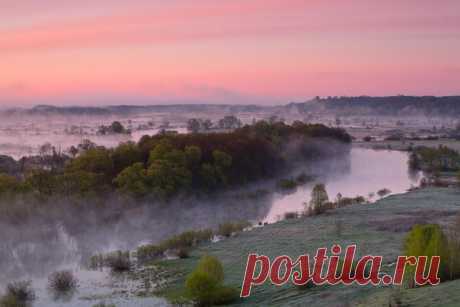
(166, 165)
(390, 106)
(115, 128)
(229, 122)
(431, 240)
(434, 159)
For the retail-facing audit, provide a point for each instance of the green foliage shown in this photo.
(133, 180)
(167, 178)
(165, 165)
(125, 155)
(81, 183)
(95, 160)
(181, 243)
(8, 185)
(43, 182)
(205, 284)
(435, 159)
(427, 240)
(212, 267)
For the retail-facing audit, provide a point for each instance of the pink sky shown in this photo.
(225, 51)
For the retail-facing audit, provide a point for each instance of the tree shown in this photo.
(230, 122)
(124, 155)
(222, 163)
(133, 180)
(319, 198)
(117, 127)
(167, 178)
(8, 184)
(193, 125)
(211, 266)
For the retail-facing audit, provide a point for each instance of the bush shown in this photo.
(211, 266)
(62, 282)
(118, 261)
(204, 285)
(227, 229)
(18, 294)
(149, 252)
(427, 240)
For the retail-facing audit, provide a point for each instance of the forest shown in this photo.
(447, 106)
(166, 165)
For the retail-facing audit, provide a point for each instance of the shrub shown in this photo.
(427, 240)
(227, 229)
(149, 252)
(18, 294)
(211, 266)
(204, 285)
(118, 261)
(62, 282)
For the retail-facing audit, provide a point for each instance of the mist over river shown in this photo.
(34, 249)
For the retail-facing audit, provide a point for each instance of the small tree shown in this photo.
(318, 198)
(205, 285)
(427, 240)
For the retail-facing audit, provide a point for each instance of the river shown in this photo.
(31, 251)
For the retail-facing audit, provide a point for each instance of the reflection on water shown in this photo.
(35, 248)
(368, 172)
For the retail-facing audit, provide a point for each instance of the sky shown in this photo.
(225, 51)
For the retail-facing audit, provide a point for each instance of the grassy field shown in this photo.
(377, 229)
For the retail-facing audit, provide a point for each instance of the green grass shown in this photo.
(375, 228)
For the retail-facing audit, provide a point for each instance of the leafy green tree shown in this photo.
(44, 182)
(80, 183)
(222, 163)
(117, 127)
(211, 266)
(167, 178)
(160, 151)
(133, 180)
(8, 185)
(208, 176)
(205, 284)
(193, 156)
(427, 240)
(96, 160)
(124, 155)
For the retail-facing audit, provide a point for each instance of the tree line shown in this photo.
(165, 165)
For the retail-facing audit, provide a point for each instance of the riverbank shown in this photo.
(377, 229)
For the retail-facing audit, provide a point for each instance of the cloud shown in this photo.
(211, 20)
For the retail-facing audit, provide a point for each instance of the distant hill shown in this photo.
(44, 110)
(378, 106)
(448, 106)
